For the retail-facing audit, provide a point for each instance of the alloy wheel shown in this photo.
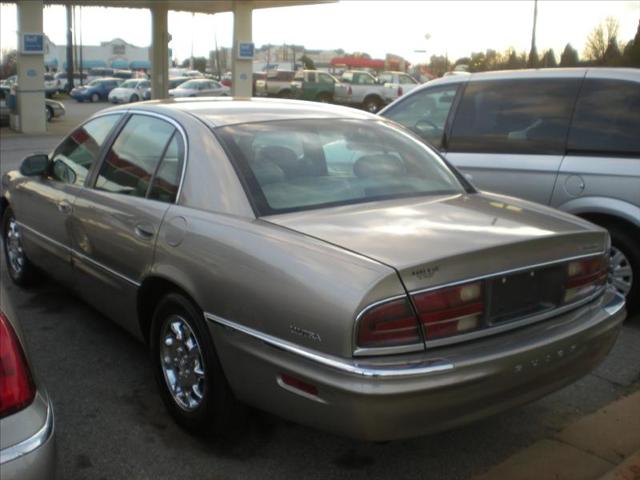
(621, 273)
(182, 363)
(13, 244)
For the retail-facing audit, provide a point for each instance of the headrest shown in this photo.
(378, 165)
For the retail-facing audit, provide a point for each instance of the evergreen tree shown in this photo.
(549, 59)
(569, 57)
(534, 60)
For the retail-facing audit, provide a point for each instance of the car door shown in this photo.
(117, 217)
(44, 205)
(510, 134)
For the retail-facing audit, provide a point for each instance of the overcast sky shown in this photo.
(456, 28)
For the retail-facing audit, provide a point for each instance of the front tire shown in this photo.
(625, 266)
(134, 98)
(21, 271)
(49, 111)
(372, 104)
(187, 370)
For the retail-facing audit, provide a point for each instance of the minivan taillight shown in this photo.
(400, 92)
(450, 311)
(388, 325)
(17, 389)
(584, 277)
(350, 91)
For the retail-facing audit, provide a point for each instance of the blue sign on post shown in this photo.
(245, 50)
(32, 43)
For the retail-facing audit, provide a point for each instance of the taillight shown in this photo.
(349, 91)
(400, 92)
(584, 277)
(389, 324)
(17, 390)
(450, 311)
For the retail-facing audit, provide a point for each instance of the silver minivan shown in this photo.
(568, 138)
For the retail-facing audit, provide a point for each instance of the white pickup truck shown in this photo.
(360, 89)
(275, 84)
(396, 84)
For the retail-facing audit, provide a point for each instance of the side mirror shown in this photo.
(35, 165)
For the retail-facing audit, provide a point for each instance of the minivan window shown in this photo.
(73, 159)
(607, 118)
(514, 116)
(425, 112)
(134, 156)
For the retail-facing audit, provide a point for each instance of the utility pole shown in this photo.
(535, 21)
(69, 50)
(80, 35)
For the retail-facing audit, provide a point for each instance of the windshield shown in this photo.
(93, 83)
(130, 84)
(191, 85)
(305, 164)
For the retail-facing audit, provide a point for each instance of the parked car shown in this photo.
(200, 87)
(360, 89)
(50, 85)
(129, 91)
(62, 80)
(313, 85)
(396, 84)
(193, 74)
(314, 261)
(124, 74)
(100, 72)
(27, 430)
(568, 138)
(173, 83)
(275, 83)
(52, 108)
(96, 90)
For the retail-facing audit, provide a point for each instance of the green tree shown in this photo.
(569, 57)
(549, 59)
(199, 63)
(612, 54)
(478, 62)
(533, 61)
(632, 53)
(307, 62)
(438, 65)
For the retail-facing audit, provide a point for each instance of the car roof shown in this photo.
(578, 72)
(224, 111)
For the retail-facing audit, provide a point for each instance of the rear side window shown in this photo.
(607, 118)
(514, 116)
(134, 156)
(167, 178)
(73, 159)
(311, 77)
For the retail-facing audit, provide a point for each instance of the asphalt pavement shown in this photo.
(111, 423)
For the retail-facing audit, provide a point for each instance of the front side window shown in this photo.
(425, 112)
(311, 77)
(332, 162)
(324, 78)
(363, 79)
(607, 118)
(514, 116)
(73, 159)
(130, 84)
(407, 80)
(132, 160)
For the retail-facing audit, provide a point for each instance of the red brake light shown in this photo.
(400, 91)
(17, 390)
(584, 277)
(450, 311)
(389, 324)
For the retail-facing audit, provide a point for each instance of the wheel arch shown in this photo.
(603, 208)
(152, 289)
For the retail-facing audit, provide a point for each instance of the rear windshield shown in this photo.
(305, 164)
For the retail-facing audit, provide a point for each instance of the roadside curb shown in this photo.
(604, 445)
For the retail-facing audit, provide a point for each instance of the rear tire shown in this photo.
(625, 266)
(95, 97)
(21, 271)
(134, 98)
(323, 98)
(49, 113)
(372, 104)
(187, 370)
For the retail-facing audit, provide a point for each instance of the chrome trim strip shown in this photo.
(32, 443)
(44, 237)
(183, 134)
(506, 272)
(80, 255)
(358, 351)
(405, 369)
(105, 268)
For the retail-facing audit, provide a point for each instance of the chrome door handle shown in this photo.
(64, 207)
(144, 231)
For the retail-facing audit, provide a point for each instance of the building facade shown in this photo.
(115, 53)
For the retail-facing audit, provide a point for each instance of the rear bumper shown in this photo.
(410, 395)
(33, 458)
